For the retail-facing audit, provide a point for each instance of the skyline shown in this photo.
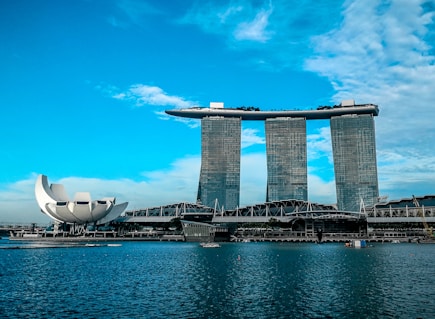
(84, 86)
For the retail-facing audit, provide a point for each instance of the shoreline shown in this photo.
(180, 238)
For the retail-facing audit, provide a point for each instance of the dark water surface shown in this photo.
(184, 280)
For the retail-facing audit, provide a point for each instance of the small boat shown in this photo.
(210, 245)
(356, 243)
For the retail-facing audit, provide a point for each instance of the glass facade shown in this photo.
(354, 151)
(220, 162)
(286, 149)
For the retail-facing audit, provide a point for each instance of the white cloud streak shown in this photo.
(178, 183)
(141, 94)
(255, 30)
(277, 30)
(319, 144)
(379, 54)
(251, 137)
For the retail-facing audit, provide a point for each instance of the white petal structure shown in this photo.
(53, 201)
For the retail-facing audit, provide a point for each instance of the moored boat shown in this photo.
(356, 243)
(210, 245)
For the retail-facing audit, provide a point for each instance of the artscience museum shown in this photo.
(54, 202)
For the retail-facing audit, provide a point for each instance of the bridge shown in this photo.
(406, 214)
(386, 217)
(383, 218)
(285, 211)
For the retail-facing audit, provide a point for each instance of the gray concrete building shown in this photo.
(354, 152)
(353, 143)
(220, 162)
(286, 149)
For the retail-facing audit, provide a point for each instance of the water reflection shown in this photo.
(238, 280)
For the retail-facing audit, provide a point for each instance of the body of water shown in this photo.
(238, 280)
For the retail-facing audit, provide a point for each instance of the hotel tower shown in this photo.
(353, 145)
(220, 162)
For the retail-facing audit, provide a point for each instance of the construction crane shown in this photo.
(420, 213)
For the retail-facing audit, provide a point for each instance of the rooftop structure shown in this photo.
(254, 114)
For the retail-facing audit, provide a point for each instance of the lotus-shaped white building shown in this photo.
(54, 202)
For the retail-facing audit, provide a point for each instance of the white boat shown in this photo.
(210, 245)
(92, 245)
(356, 243)
(31, 235)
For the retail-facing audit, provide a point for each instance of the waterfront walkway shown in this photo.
(180, 238)
(35, 233)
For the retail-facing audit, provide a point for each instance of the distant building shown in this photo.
(286, 148)
(354, 151)
(220, 162)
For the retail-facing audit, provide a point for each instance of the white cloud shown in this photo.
(178, 183)
(285, 26)
(251, 137)
(255, 30)
(319, 144)
(192, 123)
(238, 21)
(380, 55)
(141, 94)
(321, 191)
(253, 178)
(228, 13)
(404, 173)
(18, 204)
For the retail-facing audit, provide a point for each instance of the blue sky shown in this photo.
(84, 85)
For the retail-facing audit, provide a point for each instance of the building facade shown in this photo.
(220, 162)
(354, 152)
(353, 144)
(286, 150)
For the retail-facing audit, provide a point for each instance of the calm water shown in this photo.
(184, 280)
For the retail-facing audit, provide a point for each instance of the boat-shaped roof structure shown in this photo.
(254, 114)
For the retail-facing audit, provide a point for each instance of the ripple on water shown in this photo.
(239, 280)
